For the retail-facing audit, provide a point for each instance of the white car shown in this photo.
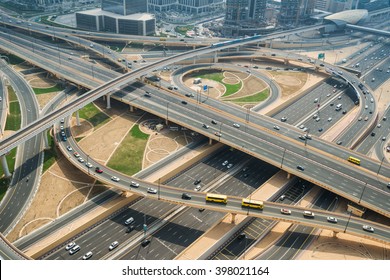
(134, 184)
(88, 164)
(74, 250)
(69, 148)
(80, 159)
(87, 255)
(70, 246)
(368, 228)
(230, 165)
(308, 214)
(115, 179)
(225, 163)
(285, 211)
(113, 245)
(236, 125)
(276, 127)
(331, 220)
(197, 188)
(151, 190)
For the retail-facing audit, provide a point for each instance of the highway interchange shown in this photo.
(226, 129)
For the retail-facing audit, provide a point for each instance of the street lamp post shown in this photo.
(350, 214)
(364, 188)
(158, 192)
(281, 164)
(380, 166)
(87, 163)
(167, 111)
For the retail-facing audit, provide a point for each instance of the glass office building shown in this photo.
(125, 7)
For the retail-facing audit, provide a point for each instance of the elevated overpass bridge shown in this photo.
(364, 178)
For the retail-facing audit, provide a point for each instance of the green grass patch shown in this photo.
(4, 182)
(48, 90)
(92, 114)
(14, 118)
(11, 94)
(46, 21)
(78, 139)
(218, 77)
(50, 155)
(258, 97)
(129, 155)
(183, 29)
(13, 59)
(232, 89)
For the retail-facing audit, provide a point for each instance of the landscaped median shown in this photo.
(128, 157)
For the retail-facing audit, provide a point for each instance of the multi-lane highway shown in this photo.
(107, 88)
(285, 150)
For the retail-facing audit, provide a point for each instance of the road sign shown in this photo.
(145, 227)
(321, 55)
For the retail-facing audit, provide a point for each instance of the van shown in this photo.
(338, 107)
(308, 214)
(74, 250)
(186, 196)
(129, 221)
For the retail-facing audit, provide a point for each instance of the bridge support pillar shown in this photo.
(46, 140)
(233, 220)
(77, 118)
(193, 47)
(4, 164)
(288, 175)
(108, 101)
(215, 57)
(285, 61)
(210, 141)
(132, 108)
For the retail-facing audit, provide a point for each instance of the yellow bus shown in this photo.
(219, 198)
(354, 160)
(163, 39)
(252, 203)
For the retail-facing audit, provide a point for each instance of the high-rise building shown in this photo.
(295, 12)
(244, 11)
(125, 7)
(119, 16)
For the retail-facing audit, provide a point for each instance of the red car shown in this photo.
(98, 170)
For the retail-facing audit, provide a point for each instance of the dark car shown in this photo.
(241, 236)
(145, 242)
(300, 168)
(129, 229)
(186, 196)
(184, 102)
(98, 170)
(197, 182)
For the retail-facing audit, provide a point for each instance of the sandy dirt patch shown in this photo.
(40, 81)
(251, 85)
(44, 99)
(51, 200)
(215, 89)
(289, 83)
